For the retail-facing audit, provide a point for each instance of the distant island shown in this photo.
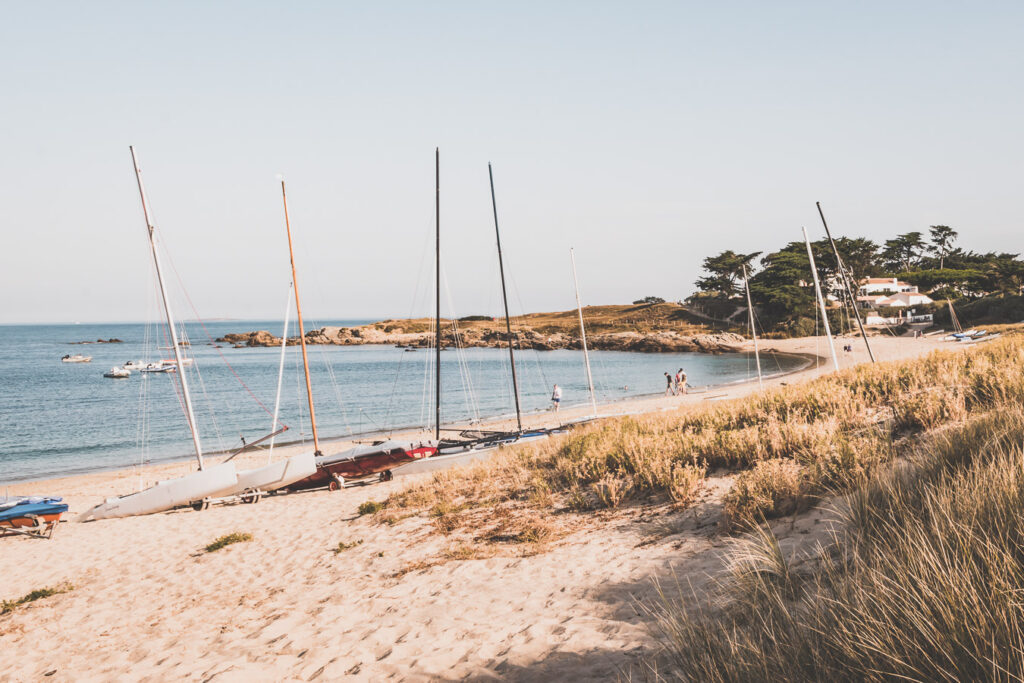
(644, 327)
(112, 340)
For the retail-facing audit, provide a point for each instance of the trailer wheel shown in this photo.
(386, 475)
(336, 483)
(252, 497)
(200, 505)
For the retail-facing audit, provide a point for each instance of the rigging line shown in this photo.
(394, 389)
(209, 337)
(467, 384)
(335, 385)
(775, 356)
(207, 401)
(521, 323)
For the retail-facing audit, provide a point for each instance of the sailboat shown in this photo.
(184, 490)
(360, 462)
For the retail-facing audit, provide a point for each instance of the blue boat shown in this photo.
(31, 515)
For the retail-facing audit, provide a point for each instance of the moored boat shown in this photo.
(117, 373)
(77, 358)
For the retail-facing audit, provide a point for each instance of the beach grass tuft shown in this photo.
(343, 546)
(228, 539)
(38, 594)
(370, 507)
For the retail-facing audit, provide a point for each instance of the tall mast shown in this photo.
(504, 297)
(151, 230)
(302, 330)
(821, 301)
(583, 333)
(753, 331)
(437, 290)
(846, 282)
(280, 371)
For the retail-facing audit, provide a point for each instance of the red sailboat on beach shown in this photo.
(363, 461)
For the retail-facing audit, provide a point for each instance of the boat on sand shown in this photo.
(192, 487)
(31, 515)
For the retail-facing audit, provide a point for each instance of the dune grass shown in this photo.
(343, 546)
(38, 594)
(228, 539)
(922, 581)
(791, 445)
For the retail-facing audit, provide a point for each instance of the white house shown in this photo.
(889, 291)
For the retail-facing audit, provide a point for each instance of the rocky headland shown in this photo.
(647, 342)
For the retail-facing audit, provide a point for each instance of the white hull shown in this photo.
(273, 476)
(167, 494)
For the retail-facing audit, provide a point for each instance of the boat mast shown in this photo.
(437, 290)
(583, 333)
(504, 297)
(846, 282)
(952, 317)
(150, 230)
(821, 300)
(280, 370)
(753, 330)
(302, 331)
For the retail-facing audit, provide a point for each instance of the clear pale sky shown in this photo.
(648, 135)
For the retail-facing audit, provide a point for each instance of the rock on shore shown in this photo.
(653, 342)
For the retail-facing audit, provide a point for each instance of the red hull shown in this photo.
(361, 467)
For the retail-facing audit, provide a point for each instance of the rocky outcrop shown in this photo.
(653, 342)
(258, 338)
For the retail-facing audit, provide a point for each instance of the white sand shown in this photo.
(147, 604)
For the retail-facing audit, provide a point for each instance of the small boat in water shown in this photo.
(157, 367)
(77, 358)
(31, 515)
(118, 373)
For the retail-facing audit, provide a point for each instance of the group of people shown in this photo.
(675, 385)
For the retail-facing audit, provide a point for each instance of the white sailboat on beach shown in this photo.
(192, 487)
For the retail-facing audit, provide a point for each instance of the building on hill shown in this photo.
(876, 292)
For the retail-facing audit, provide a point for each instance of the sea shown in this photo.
(59, 419)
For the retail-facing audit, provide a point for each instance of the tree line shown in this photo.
(782, 289)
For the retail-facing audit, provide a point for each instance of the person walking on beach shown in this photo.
(556, 398)
(681, 381)
(668, 385)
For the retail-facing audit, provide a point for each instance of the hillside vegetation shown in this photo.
(782, 290)
(640, 318)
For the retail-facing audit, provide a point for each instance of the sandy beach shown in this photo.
(148, 604)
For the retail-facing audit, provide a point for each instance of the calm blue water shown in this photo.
(60, 418)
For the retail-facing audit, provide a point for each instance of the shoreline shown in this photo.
(506, 420)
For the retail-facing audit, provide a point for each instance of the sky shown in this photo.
(646, 135)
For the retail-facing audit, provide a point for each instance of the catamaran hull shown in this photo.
(362, 462)
(167, 494)
(274, 476)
